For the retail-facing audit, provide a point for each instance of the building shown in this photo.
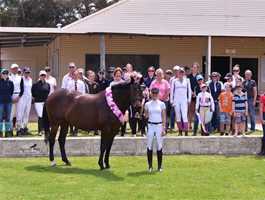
(215, 33)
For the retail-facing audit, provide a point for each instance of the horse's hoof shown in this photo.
(53, 164)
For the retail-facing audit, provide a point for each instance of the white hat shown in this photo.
(71, 64)
(42, 72)
(182, 69)
(14, 65)
(176, 68)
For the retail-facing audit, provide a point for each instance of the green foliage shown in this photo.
(184, 177)
(47, 13)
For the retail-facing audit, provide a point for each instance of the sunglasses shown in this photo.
(235, 70)
(151, 71)
(47, 70)
(27, 72)
(71, 67)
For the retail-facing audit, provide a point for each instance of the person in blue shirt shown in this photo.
(6, 92)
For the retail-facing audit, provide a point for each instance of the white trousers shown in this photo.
(181, 110)
(154, 130)
(39, 108)
(14, 107)
(23, 110)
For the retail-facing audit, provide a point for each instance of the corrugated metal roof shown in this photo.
(177, 17)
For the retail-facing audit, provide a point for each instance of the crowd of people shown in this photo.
(191, 102)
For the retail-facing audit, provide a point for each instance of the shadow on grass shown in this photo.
(105, 174)
(141, 173)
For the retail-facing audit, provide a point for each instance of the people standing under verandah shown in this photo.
(240, 110)
(69, 75)
(250, 87)
(236, 75)
(150, 76)
(155, 113)
(204, 108)
(225, 108)
(93, 86)
(180, 97)
(6, 92)
(215, 89)
(40, 91)
(262, 120)
(24, 104)
(197, 90)
(164, 90)
(50, 79)
(193, 83)
(18, 91)
(75, 85)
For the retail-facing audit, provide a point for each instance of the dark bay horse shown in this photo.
(88, 112)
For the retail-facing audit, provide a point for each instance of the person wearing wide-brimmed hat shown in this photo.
(215, 89)
(24, 103)
(6, 92)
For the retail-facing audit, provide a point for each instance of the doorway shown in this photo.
(219, 64)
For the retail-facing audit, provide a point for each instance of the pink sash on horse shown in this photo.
(113, 106)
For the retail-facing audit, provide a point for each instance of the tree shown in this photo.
(47, 13)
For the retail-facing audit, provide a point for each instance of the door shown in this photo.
(219, 64)
(247, 63)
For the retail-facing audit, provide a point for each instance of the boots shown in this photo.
(150, 159)
(1, 134)
(262, 152)
(159, 160)
(40, 126)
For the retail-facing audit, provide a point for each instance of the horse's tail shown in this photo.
(46, 124)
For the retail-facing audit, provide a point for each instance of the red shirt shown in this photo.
(262, 100)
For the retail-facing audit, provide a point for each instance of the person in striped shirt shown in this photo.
(240, 110)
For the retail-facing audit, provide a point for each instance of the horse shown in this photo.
(86, 112)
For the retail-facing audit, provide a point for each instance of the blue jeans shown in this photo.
(251, 115)
(215, 119)
(5, 111)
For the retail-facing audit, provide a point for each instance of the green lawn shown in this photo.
(184, 177)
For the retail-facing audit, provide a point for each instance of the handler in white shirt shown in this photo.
(69, 75)
(155, 112)
(50, 79)
(75, 84)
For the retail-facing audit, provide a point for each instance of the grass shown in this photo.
(183, 178)
(33, 132)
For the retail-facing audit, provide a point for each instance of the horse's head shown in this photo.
(127, 93)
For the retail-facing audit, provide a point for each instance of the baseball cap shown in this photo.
(176, 68)
(4, 71)
(42, 72)
(199, 77)
(13, 66)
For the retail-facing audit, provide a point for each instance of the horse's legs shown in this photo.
(106, 158)
(51, 143)
(103, 146)
(61, 140)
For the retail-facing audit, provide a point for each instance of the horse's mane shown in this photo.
(122, 85)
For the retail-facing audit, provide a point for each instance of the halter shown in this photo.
(113, 106)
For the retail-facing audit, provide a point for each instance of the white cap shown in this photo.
(182, 69)
(176, 68)
(14, 65)
(71, 64)
(42, 72)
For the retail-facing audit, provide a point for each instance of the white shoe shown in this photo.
(160, 170)
(150, 169)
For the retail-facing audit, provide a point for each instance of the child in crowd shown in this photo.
(240, 109)
(204, 108)
(225, 106)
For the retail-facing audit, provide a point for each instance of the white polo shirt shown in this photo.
(154, 109)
